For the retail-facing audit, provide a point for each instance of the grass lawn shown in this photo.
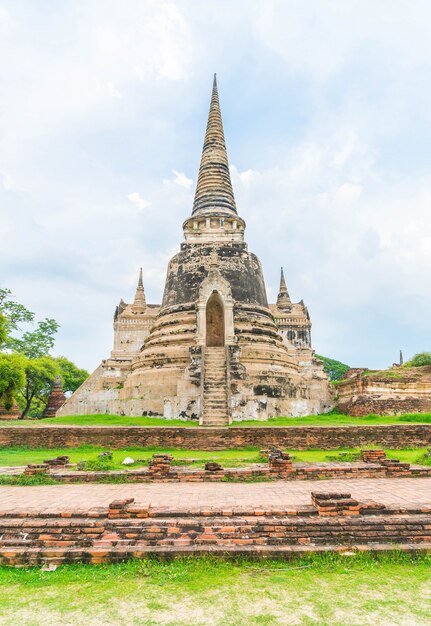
(322, 590)
(228, 458)
(329, 419)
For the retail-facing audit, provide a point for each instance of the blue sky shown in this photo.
(327, 114)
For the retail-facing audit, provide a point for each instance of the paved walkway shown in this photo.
(401, 492)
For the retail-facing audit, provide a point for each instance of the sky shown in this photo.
(327, 114)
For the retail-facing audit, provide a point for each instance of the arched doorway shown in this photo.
(215, 321)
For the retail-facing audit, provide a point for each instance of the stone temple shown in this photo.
(214, 350)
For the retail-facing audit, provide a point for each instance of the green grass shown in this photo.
(319, 590)
(227, 458)
(328, 419)
(339, 419)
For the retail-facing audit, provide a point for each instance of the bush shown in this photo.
(96, 465)
(334, 369)
(419, 360)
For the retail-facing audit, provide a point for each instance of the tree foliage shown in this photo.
(12, 377)
(27, 374)
(15, 313)
(39, 374)
(334, 369)
(419, 360)
(33, 343)
(71, 375)
(4, 330)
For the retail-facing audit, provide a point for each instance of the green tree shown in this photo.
(12, 377)
(39, 374)
(419, 360)
(33, 343)
(71, 375)
(15, 313)
(334, 369)
(4, 329)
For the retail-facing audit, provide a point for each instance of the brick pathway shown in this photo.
(402, 492)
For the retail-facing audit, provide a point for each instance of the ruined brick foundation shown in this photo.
(332, 522)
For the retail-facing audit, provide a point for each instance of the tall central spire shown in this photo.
(214, 191)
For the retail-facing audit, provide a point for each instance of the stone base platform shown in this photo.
(64, 524)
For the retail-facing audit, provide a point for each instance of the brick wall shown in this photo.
(126, 530)
(298, 438)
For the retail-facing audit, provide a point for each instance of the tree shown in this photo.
(334, 369)
(4, 329)
(14, 312)
(40, 374)
(71, 375)
(33, 343)
(419, 360)
(12, 377)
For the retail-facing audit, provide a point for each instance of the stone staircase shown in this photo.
(215, 408)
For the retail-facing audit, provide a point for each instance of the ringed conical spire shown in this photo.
(139, 303)
(214, 191)
(283, 299)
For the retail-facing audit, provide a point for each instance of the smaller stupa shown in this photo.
(56, 399)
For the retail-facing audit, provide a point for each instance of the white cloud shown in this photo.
(136, 198)
(323, 38)
(113, 91)
(326, 109)
(7, 181)
(181, 180)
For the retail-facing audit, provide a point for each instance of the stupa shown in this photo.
(214, 350)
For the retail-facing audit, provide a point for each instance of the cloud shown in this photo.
(326, 112)
(113, 91)
(7, 181)
(181, 180)
(136, 198)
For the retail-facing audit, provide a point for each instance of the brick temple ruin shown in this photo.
(214, 350)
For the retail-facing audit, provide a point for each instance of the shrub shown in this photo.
(419, 360)
(96, 465)
(334, 369)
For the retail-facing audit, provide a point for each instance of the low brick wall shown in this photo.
(294, 437)
(390, 468)
(333, 521)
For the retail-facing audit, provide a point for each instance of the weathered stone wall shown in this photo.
(98, 393)
(297, 438)
(392, 392)
(188, 269)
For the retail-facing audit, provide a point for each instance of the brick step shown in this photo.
(216, 396)
(215, 407)
(55, 556)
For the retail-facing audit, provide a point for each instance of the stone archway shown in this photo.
(215, 328)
